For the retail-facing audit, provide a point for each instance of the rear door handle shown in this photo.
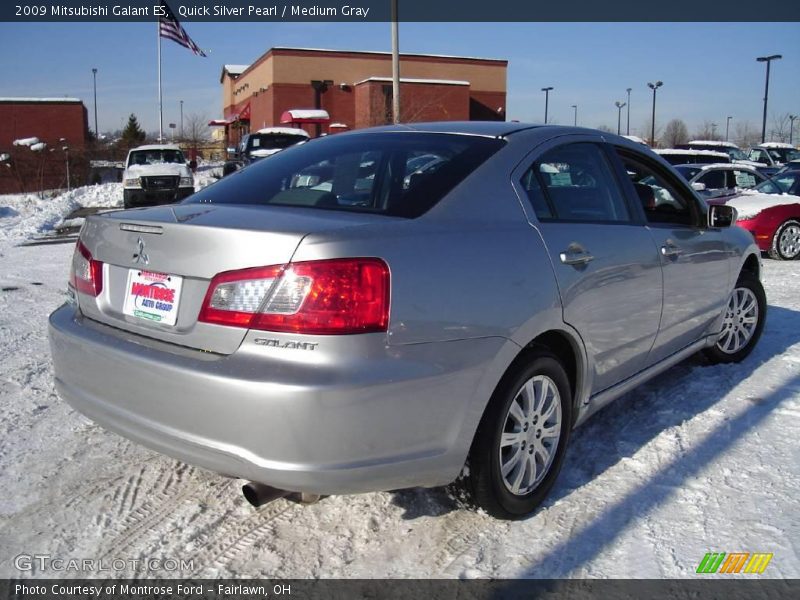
(575, 256)
(670, 250)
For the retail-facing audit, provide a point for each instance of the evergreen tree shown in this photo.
(132, 135)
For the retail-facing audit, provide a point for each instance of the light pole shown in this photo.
(791, 126)
(654, 87)
(575, 119)
(628, 127)
(65, 148)
(619, 106)
(181, 135)
(546, 91)
(94, 78)
(768, 60)
(395, 65)
(727, 127)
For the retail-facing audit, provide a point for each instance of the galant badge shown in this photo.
(139, 256)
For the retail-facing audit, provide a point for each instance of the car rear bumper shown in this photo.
(155, 197)
(402, 419)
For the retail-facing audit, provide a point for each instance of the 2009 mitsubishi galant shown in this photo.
(347, 317)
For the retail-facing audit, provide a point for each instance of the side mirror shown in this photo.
(721, 215)
(193, 165)
(699, 187)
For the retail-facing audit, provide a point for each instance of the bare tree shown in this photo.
(779, 132)
(707, 131)
(747, 135)
(605, 128)
(195, 130)
(675, 133)
(657, 143)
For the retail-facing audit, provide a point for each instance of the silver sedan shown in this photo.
(335, 320)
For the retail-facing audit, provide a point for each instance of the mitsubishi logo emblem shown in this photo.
(139, 256)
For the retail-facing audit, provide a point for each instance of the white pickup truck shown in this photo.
(156, 174)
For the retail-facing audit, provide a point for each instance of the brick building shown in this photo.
(50, 120)
(355, 89)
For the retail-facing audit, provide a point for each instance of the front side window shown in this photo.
(575, 183)
(713, 180)
(661, 199)
(377, 173)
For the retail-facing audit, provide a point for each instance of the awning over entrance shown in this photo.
(305, 116)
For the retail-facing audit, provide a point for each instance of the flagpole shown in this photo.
(160, 112)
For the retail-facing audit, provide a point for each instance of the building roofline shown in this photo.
(10, 100)
(403, 55)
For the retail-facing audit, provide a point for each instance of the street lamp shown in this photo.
(654, 87)
(619, 106)
(546, 91)
(768, 60)
(628, 127)
(791, 126)
(727, 127)
(575, 119)
(181, 119)
(94, 78)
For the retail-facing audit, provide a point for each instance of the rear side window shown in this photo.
(397, 174)
(575, 183)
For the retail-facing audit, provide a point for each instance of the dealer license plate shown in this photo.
(153, 296)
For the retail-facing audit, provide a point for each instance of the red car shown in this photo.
(772, 214)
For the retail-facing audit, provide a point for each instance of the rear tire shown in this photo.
(745, 314)
(522, 439)
(786, 241)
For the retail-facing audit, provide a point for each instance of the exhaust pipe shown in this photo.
(258, 494)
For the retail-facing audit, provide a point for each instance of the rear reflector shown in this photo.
(322, 297)
(87, 273)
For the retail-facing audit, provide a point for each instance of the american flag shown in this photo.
(168, 27)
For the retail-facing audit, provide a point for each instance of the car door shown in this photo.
(605, 262)
(694, 257)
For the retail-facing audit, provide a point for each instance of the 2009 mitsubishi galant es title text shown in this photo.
(379, 309)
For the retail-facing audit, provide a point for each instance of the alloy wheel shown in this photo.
(789, 241)
(740, 321)
(530, 435)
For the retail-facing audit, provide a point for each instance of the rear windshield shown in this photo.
(396, 174)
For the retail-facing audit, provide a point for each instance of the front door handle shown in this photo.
(670, 250)
(576, 256)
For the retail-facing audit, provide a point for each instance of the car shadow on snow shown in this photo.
(628, 424)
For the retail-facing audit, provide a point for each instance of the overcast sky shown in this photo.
(708, 69)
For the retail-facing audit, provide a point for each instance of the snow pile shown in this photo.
(25, 215)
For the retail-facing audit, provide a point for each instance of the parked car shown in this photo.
(773, 219)
(774, 154)
(733, 151)
(456, 328)
(264, 142)
(156, 174)
(785, 182)
(718, 182)
(676, 156)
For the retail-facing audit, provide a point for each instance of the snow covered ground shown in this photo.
(700, 459)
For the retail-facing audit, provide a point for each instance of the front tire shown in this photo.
(786, 241)
(522, 439)
(743, 321)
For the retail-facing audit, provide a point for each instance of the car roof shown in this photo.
(480, 128)
(156, 147)
(718, 166)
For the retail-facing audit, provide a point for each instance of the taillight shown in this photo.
(323, 297)
(87, 273)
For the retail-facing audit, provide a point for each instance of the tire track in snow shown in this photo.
(234, 536)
